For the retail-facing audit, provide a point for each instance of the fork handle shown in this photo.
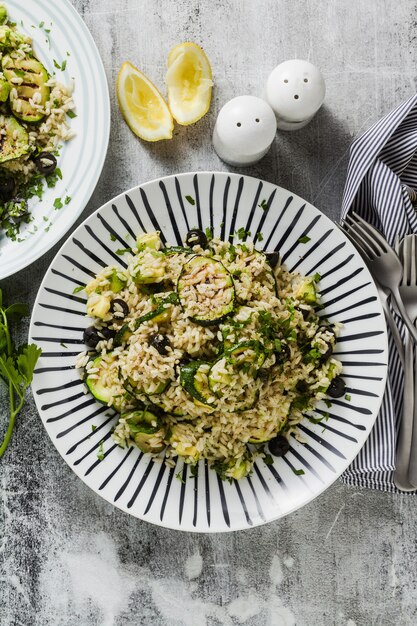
(412, 470)
(410, 326)
(402, 455)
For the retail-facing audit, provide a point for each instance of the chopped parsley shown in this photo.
(180, 478)
(79, 288)
(263, 205)
(100, 451)
(328, 403)
(71, 114)
(304, 239)
(348, 397)
(58, 204)
(63, 345)
(93, 427)
(41, 24)
(194, 470)
(190, 199)
(122, 251)
(67, 199)
(317, 277)
(242, 233)
(298, 472)
(268, 460)
(113, 237)
(209, 234)
(259, 237)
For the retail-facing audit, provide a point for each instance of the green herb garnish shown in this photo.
(304, 239)
(78, 289)
(348, 397)
(122, 251)
(317, 277)
(263, 205)
(58, 204)
(242, 233)
(16, 364)
(268, 460)
(67, 199)
(299, 472)
(180, 478)
(209, 234)
(93, 427)
(190, 199)
(259, 237)
(71, 114)
(100, 451)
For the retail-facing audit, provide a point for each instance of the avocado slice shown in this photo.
(15, 142)
(34, 78)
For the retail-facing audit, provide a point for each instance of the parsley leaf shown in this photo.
(317, 277)
(58, 204)
(263, 205)
(122, 251)
(304, 239)
(299, 472)
(16, 365)
(209, 234)
(242, 233)
(71, 114)
(190, 199)
(79, 288)
(180, 478)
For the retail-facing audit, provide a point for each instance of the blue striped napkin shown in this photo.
(381, 179)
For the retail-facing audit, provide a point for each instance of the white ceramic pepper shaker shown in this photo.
(295, 90)
(244, 131)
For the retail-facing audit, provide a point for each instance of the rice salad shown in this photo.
(207, 351)
(35, 110)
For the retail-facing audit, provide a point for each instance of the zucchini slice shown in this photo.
(105, 392)
(15, 142)
(147, 430)
(193, 377)
(33, 86)
(206, 290)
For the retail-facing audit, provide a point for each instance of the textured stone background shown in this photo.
(347, 559)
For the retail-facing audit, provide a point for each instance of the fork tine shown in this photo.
(373, 232)
(371, 249)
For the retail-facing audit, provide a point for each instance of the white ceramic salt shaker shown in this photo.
(244, 131)
(295, 90)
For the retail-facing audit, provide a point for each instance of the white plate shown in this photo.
(129, 479)
(82, 157)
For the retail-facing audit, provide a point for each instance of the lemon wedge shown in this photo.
(189, 83)
(143, 107)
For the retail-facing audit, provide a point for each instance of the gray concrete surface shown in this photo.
(349, 558)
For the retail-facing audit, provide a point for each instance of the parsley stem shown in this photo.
(13, 414)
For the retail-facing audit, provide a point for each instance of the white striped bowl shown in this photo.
(131, 480)
(82, 157)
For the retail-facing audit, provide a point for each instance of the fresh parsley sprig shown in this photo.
(16, 364)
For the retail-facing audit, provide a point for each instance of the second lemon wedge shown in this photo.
(189, 83)
(143, 107)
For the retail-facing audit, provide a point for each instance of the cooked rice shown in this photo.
(244, 405)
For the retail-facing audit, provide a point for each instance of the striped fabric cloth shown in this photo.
(381, 179)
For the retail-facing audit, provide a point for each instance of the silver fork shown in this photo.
(406, 250)
(408, 291)
(384, 296)
(381, 260)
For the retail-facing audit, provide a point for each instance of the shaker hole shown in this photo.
(285, 80)
(296, 97)
(239, 124)
(306, 80)
(257, 119)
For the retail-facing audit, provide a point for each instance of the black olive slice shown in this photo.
(160, 343)
(45, 162)
(119, 308)
(196, 237)
(279, 445)
(337, 388)
(272, 258)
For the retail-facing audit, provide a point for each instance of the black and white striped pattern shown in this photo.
(174, 497)
(382, 171)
